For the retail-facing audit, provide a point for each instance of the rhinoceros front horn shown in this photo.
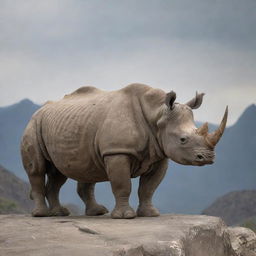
(214, 137)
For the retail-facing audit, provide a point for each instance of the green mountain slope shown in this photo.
(13, 193)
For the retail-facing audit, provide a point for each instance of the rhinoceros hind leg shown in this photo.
(38, 195)
(34, 164)
(86, 193)
(118, 170)
(148, 184)
(54, 183)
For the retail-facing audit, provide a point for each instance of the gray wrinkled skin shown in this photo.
(93, 136)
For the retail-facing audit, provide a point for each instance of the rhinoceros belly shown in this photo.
(77, 167)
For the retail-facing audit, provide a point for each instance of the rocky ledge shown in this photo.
(172, 235)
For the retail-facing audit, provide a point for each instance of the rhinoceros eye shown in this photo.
(183, 140)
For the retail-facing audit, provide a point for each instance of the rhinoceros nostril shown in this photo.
(199, 156)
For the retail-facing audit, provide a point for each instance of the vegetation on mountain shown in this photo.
(13, 193)
(8, 206)
(249, 223)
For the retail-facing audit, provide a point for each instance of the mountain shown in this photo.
(13, 193)
(185, 189)
(235, 207)
(13, 120)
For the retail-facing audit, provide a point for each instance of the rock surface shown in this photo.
(243, 241)
(173, 235)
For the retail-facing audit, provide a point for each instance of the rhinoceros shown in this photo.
(93, 136)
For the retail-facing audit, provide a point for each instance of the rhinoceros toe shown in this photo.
(96, 210)
(123, 213)
(59, 211)
(40, 212)
(147, 211)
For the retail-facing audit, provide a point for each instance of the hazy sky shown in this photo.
(49, 48)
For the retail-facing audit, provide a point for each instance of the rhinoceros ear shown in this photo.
(196, 101)
(170, 98)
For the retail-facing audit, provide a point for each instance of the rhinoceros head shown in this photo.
(181, 140)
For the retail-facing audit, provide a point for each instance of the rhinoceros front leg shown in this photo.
(148, 184)
(86, 193)
(54, 183)
(118, 170)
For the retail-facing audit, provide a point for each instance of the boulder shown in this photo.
(175, 235)
(243, 241)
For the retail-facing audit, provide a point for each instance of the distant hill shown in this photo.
(13, 193)
(13, 120)
(185, 189)
(235, 207)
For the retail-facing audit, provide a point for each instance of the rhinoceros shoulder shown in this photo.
(136, 88)
(145, 90)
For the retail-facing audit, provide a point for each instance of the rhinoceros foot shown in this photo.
(59, 211)
(147, 211)
(40, 212)
(96, 209)
(123, 212)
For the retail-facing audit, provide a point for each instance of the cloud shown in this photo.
(50, 48)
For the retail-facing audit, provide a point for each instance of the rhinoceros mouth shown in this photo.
(196, 162)
(201, 163)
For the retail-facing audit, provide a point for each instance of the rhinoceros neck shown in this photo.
(152, 107)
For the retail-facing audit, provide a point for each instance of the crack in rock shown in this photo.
(86, 229)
